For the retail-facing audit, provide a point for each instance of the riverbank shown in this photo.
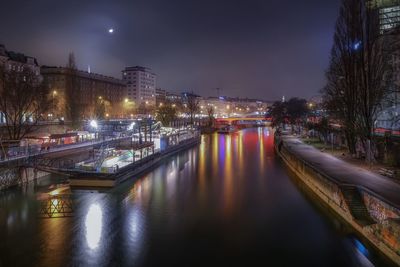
(369, 202)
(343, 154)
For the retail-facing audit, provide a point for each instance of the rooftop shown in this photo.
(139, 68)
(63, 70)
(17, 57)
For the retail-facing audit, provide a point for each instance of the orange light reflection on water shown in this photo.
(228, 182)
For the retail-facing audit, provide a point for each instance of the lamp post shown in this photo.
(94, 125)
(53, 104)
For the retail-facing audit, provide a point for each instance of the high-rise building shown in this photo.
(386, 23)
(141, 84)
(388, 12)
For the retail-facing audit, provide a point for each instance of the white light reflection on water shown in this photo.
(94, 225)
(134, 226)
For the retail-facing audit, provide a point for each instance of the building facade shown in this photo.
(17, 61)
(92, 88)
(141, 85)
(388, 12)
(14, 61)
(387, 25)
(161, 96)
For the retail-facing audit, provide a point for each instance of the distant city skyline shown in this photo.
(256, 49)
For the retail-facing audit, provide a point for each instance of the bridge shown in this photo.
(243, 120)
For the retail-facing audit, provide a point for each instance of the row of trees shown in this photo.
(360, 75)
(168, 112)
(292, 112)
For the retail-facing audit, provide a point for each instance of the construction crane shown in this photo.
(218, 91)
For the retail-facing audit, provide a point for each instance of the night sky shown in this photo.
(250, 48)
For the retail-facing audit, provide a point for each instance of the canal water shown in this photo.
(229, 201)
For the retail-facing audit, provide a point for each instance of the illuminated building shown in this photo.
(388, 12)
(14, 61)
(18, 61)
(161, 96)
(92, 87)
(141, 84)
(386, 22)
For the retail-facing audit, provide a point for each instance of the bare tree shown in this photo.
(297, 112)
(72, 93)
(374, 73)
(211, 115)
(192, 106)
(166, 114)
(278, 113)
(24, 98)
(100, 108)
(358, 75)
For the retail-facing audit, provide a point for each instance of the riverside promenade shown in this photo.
(368, 202)
(345, 173)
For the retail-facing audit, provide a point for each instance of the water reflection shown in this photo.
(94, 225)
(226, 202)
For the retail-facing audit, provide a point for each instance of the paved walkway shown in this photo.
(344, 172)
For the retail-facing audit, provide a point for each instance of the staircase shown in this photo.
(356, 205)
(100, 156)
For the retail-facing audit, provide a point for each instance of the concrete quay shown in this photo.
(369, 203)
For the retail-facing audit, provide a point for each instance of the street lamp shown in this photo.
(94, 124)
(130, 127)
(54, 95)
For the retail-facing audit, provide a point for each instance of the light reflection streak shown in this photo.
(202, 166)
(261, 150)
(94, 225)
(240, 154)
(228, 182)
(215, 145)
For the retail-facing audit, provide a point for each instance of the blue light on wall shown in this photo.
(360, 247)
(357, 45)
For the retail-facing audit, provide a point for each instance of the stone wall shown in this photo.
(384, 235)
(18, 175)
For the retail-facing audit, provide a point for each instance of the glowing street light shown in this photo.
(126, 100)
(53, 104)
(94, 124)
(130, 127)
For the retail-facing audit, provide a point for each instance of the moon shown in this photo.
(111, 30)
